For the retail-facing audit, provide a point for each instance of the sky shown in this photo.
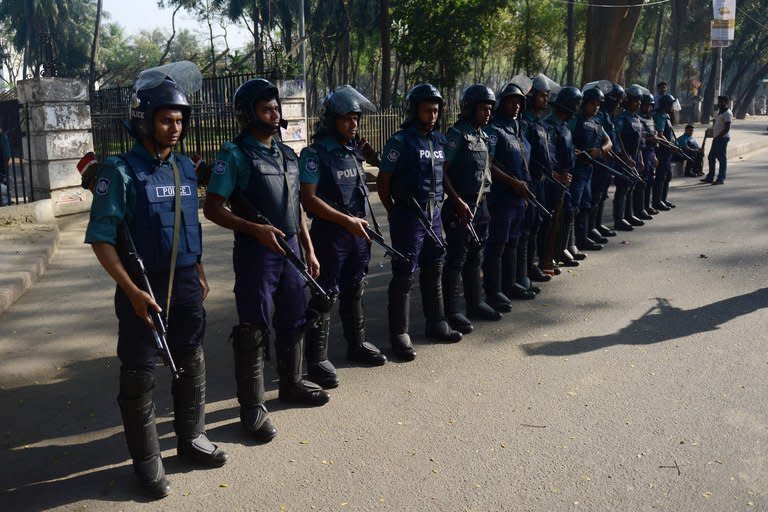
(124, 12)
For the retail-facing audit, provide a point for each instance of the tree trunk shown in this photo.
(94, 48)
(386, 54)
(709, 90)
(571, 31)
(654, 76)
(679, 11)
(617, 25)
(170, 39)
(744, 101)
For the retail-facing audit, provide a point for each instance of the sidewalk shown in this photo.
(26, 250)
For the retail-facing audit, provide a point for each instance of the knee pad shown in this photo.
(135, 382)
(246, 338)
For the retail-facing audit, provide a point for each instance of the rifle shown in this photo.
(131, 259)
(630, 171)
(376, 237)
(668, 145)
(426, 223)
(615, 172)
(249, 212)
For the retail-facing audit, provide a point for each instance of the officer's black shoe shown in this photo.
(671, 205)
(484, 312)
(402, 348)
(500, 302)
(635, 221)
(587, 244)
(517, 292)
(441, 331)
(292, 388)
(623, 225)
(535, 273)
(661, 207)
(651, 210)
(707, 180)
(574, 253)
(606, 231)
(459, 322)
(597, 237)
(324, 374)
(151, 476)
(643, 215)
(199, 451)
(255, 421)
(366, 353)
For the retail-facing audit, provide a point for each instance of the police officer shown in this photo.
(588, 137)
(601, 180)
(642, 200)
(541, 164)
(264, 172)
(661, 118)
(410, 178)
(564, 107)
(467, 180)
(334, 192)
(154, 190)
(505, 273)
(629, 133)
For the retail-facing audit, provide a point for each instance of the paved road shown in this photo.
(636, 382)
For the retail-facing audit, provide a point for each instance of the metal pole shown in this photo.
(718, 74)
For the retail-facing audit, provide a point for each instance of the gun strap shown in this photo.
(360, 170)
(433, 180)
(486, 176)
(176, 233)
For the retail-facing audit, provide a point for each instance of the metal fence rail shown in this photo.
(15, 171)
(213, 119)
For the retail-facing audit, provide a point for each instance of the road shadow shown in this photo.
(662, 322)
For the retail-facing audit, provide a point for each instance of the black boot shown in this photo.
(665, 193)
(648, 194)
(353, 323)
(658, 190)
(583, 241)
(629, 210)
(534, 272)
(399, 308)
(593, 233)
(319, 368)
(138, 412)
(293, 388)
(639, 203)
(477, 308)
(451, 290)
(521, 272)
(248, 345)
(430, 281)
(492, 278)
(571, 247)
(602, 228)
(509, 285)
(193, 446)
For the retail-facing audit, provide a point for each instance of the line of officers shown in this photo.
(514, 190)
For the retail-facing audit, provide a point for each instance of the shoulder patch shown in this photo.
(102, 187)
(393, 155)
(311, 165)
(219, 167)
(452, 143)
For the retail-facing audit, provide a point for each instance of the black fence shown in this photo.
(213, 120)
(15, 171)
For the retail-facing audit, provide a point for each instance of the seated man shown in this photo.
(691, 148)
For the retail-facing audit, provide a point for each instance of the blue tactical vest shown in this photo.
(561, 145)
(606, 121)
(663, 118)
(649, 128)
(512, 150)
(419, 172)
(470, 171)
(152, 223)
(273, 188)
(342, 179)
(629, 129)
(538, 137)
(587, 133)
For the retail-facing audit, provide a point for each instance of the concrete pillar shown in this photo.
(293, 101)
(57, 135)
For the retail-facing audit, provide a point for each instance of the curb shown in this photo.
(13, 287)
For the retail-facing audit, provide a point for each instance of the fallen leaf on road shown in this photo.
(707, 494)
(303, 442)
(224, 486)
(703, 256)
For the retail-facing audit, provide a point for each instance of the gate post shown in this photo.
(57, 132)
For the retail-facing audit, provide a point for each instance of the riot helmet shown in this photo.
(246, 96)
